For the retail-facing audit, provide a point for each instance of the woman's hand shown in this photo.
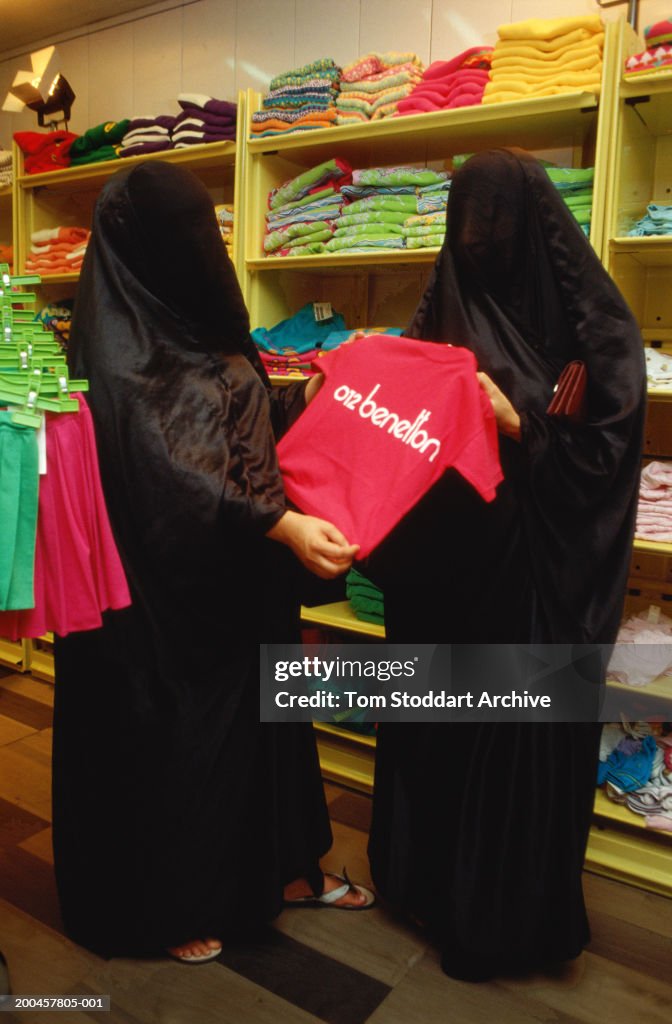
(508, 420)
(319, 545)
(313, 386)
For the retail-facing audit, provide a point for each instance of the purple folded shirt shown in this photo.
(162, 121)
(220, 108)
(195, 116)
(196, 138)
(146, 147)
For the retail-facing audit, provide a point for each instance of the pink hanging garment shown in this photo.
(78, 572)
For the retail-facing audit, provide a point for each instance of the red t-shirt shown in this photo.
(392, 415)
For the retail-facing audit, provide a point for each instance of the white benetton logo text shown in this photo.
(403, 430)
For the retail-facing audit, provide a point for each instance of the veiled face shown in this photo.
(159, 222)
(487, 223)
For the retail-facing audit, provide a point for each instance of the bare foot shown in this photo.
(197, 948)
(300, 887)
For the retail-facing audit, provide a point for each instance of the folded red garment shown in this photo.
(441, 68)
(45, 151)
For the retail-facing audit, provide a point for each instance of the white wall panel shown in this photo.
(403, 25)
(325, 28)
(209, 48)
(111, 74)
(72, 60)
(456, 27)
(157, 63)
(265, 37)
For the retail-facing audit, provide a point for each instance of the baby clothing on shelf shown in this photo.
(45, 151)
(656, 221)
(57, 250)
(203, 119)
(546, 57)
(147, 134)
(447, 84)
(299, 100)
(657, 57)
(654, 510)
(372, 87)
(99, 144)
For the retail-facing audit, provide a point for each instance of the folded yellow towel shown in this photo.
(507, 91)
(549, 28)
(578, 37)
(577, 79)
(530, 52)
(529, 67)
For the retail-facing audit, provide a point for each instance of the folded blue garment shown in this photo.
(628, 772)
(300, 333)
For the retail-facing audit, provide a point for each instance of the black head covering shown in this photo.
(518, 283)
(182, 424)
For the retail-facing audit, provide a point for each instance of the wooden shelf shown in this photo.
(646, 250)
(431, 136)
(393, 259)
(653, 547)
(212, 155)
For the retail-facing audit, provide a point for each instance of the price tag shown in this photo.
(322, 311)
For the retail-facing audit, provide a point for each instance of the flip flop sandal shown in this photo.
(194, 961)
(329, 899)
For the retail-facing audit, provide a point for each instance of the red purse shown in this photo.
(569, 394)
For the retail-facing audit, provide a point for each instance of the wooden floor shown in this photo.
(330, 967)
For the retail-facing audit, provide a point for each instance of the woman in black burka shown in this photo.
(479, 829)
(178, 818)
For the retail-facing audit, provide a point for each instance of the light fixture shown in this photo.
(26, 91)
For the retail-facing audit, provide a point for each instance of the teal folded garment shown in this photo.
(19, 484)
(300, 333)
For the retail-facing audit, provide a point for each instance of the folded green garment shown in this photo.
(367, 241)
(423, 230)
(393, 204)
(312, 197)
(559, 175)
(300, 186)
(370, 217)
(582, 198)
(282, 237)
(306, 249)
(438, 219)
(96, 156)
(398, 176)
(424, 241)
(314, 236)
(109, 133)
(387, 230)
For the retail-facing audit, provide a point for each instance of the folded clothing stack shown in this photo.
(575, 185)
(290, 364)
(372, 87)
(99, 144)
(380, 200)
(546, 57)
(658, 53)
(57, 317)
(366, 599)
(656, 221)
(57, 250)
(224, 215)
(203, 119)
(424, 230)
(45, 151)
(300, 334)
(447, 84)
(6, 168)
(299, 100)
(654, 510)
(303, 210)
(149, 134)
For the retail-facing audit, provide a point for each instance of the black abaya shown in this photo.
(479, 830)
(176, 814)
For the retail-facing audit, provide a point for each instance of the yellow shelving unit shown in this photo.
(67, 196)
